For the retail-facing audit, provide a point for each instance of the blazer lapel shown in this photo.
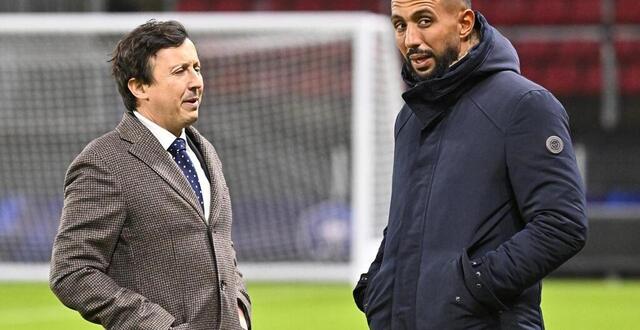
(210, 157)
(147, 148)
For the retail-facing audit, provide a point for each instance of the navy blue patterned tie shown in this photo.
(178, 150)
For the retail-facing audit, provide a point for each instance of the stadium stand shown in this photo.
(629, 66)
(532, 12)
(566, 68)
(347, 5)
(627, 11)
(283, 5)
(200, 5)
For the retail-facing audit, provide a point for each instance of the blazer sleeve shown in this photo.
(92, 217)
(549, 193)
(244, 302)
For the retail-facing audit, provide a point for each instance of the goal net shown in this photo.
(300, 107)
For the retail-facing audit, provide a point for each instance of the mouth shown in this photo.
(420, 61)
(192, 102)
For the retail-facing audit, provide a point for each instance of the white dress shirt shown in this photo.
(166, 138)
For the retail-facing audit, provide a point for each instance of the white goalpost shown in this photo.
(300, 107)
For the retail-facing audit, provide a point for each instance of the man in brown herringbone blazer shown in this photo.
(145, 234)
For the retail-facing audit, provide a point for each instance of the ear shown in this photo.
(466, 20)
(138, 89)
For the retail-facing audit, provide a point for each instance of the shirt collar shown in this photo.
(165, 137)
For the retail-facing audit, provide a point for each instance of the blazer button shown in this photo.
(223, 285)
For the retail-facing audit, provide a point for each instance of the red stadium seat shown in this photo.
(192, 5)
(628, 11)
(311, 5)
(630, 79)
(308, 5)
(297, 5)
(627, 51)
(502, 12)
(579, 51)
(592, 80)
(586, 12)
(547, 12)
(629, 66)
(532, 12)
(532, 50)
(565, 68)
(563, 80)
(275, 5)
(215, 5)
(235, 5)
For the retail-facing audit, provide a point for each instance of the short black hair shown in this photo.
(132, 53)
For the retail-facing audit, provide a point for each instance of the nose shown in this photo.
(195, 81)
(412, 37)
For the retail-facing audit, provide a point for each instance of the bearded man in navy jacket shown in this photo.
(487, 198)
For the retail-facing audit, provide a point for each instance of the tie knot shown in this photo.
(178, 145)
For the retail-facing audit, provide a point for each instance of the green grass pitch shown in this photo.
(567, 304)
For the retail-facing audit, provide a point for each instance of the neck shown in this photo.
(150, 115)
(466, 46)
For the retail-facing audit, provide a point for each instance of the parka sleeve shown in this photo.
(547, 186)
(363, 282)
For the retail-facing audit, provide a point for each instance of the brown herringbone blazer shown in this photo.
(133, 250)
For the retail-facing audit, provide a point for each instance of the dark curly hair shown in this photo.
(132, 53)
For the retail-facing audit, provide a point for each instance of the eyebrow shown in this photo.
(184, 64)
(414, 16)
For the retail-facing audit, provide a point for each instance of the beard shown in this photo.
(442, 62)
